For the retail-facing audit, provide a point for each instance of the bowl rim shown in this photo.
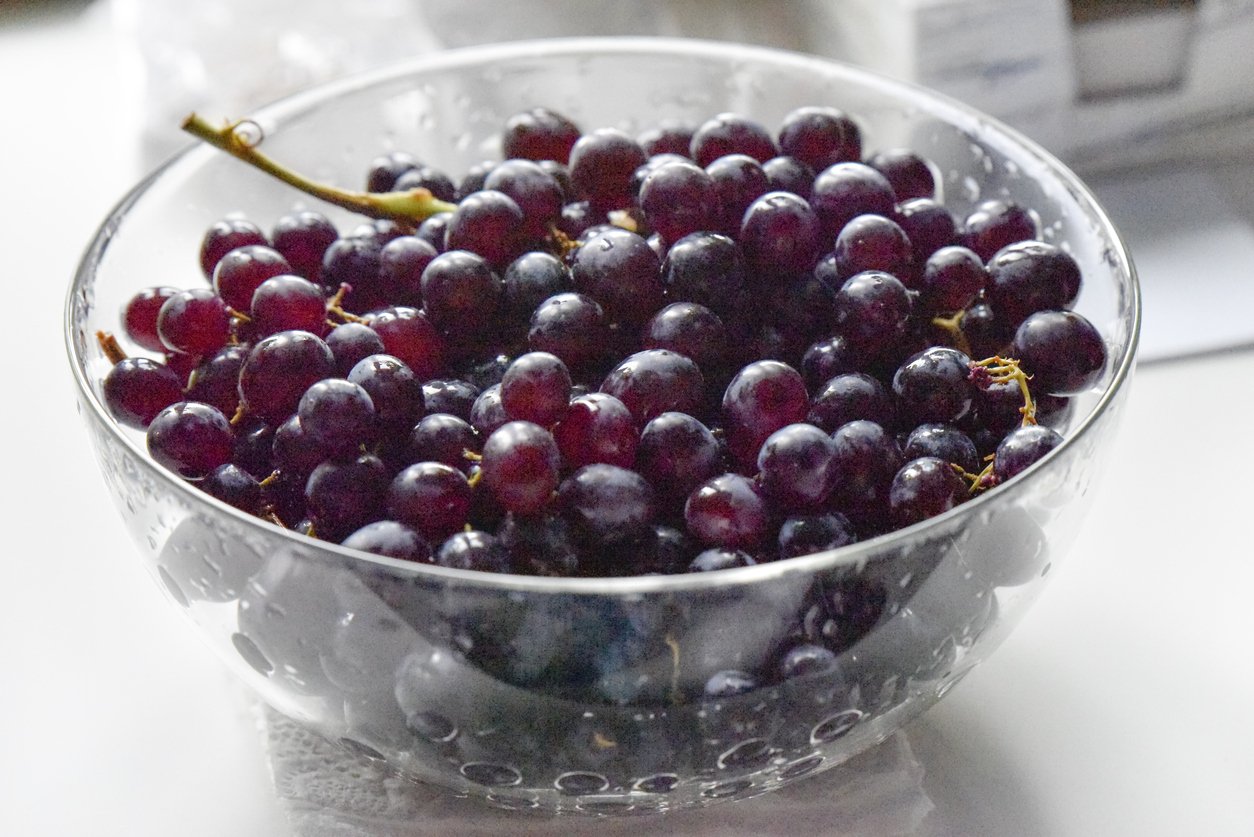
(936, 103)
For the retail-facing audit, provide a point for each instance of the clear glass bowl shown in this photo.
(570, 694)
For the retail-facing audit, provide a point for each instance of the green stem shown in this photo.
(412, 205)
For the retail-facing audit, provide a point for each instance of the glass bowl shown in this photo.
(587, 694)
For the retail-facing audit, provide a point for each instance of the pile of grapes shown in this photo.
(702, 347)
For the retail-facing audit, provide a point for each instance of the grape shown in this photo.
(391, 539)
(788, 174)
(995, 224)
(351, 342)
(536, 388)
(718, 558)
(923, 488)
(934, 386)
(449, 396)
(520, 466)
(489, 224)
(279, 369)
(487, 413)
(434, 230)
(1023, 447)
(675, 454)
(602, 163)
(224, 236)
(731, 133)
(808, 534)
(795, 467)
(474, 550)
(928, 225)
(689, 329)
(727, 511)
(354, 261)
(234, 486)
(286, 303)
(338, 415)
(571, 326)
(871, 309)
(302, 238)
(708, 269)
(618, 269)
(952, 278)
(215, 380)
(667, 137)
(445, 438)
(136, 389)
(873, 242)
(597, 428)
(439, 184)
(866, 458)
(539, 134)
(401, 264)
(846, 190)
(606, 503)
(139, 316)
(433, 498)
(344, 495)
(820, 137)
(189, 438)
(655, 381)
(739, 180)
(779, 233)
(850, 396)
(384, 170)
(529, 280)
(678, 198)
(408, 335)
(240, 271)
(536, 192)
(1030, 276)
(1061, 351)
(194, 322)
(909, 174)
(943, 441)
(827, 358)
(762, 397)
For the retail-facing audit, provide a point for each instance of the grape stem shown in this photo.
(110, 347)
(1001, 370)
(241, 138)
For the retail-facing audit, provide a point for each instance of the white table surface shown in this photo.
(1121, 705)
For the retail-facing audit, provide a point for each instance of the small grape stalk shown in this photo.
(241, 139)
(999, 370)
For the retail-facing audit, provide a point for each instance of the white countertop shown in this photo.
(1120, 706)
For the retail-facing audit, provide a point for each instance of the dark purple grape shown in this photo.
(727, 511)
(677, 453)
(952, 278)
(796, 468)
(215, 380)
(943, 441)
(731, 133)
(808, 534)
(873, 242)
(394, 390)
(928, 224)
(487, 413)
(848, 397)
(489, 224)
(667, 137)
(780, 234)
(571, 326)
(136, 389)
(923, 488)
(383, 171)
(1061, 350)
(866, 459)
(302, 237)
(536, 192)
(720, 558)
(474, 550)
(338, 415)
(606, 503)
(401, 264)
(1023, 447)
(139, 316)
(390, 539)
(432, 497)
(656, 381)
(472, 181)
(618, 269)
(934, 386)
(294, 453)
(762, 397)
(578, 217)
(442, 437)
(985, 331)
(194, 322)
(354, 261)
(820, 137)
(689, 329)
(234, 486)
(531, 279)
(452, 396)
(351, 342)
(536, 388)
(910, 174)
(224, 236)
(254, 447)
(602, 163)
(1030, 276)
(279, 369)
(788, 174)
(827, 358)
(678, 197)
(191, 439)
(435, 181)
(408, 334)
(846, 190)
(995, 224)
(739, 180)
(539, 134)
(285, 303)
(434, 230)
(708, 269)
(344, 495)
(521, 466)
(597, 428)
(540, 546)
(239, 273)
(872, 309)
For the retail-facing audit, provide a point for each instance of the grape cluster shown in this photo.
(701, 347)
